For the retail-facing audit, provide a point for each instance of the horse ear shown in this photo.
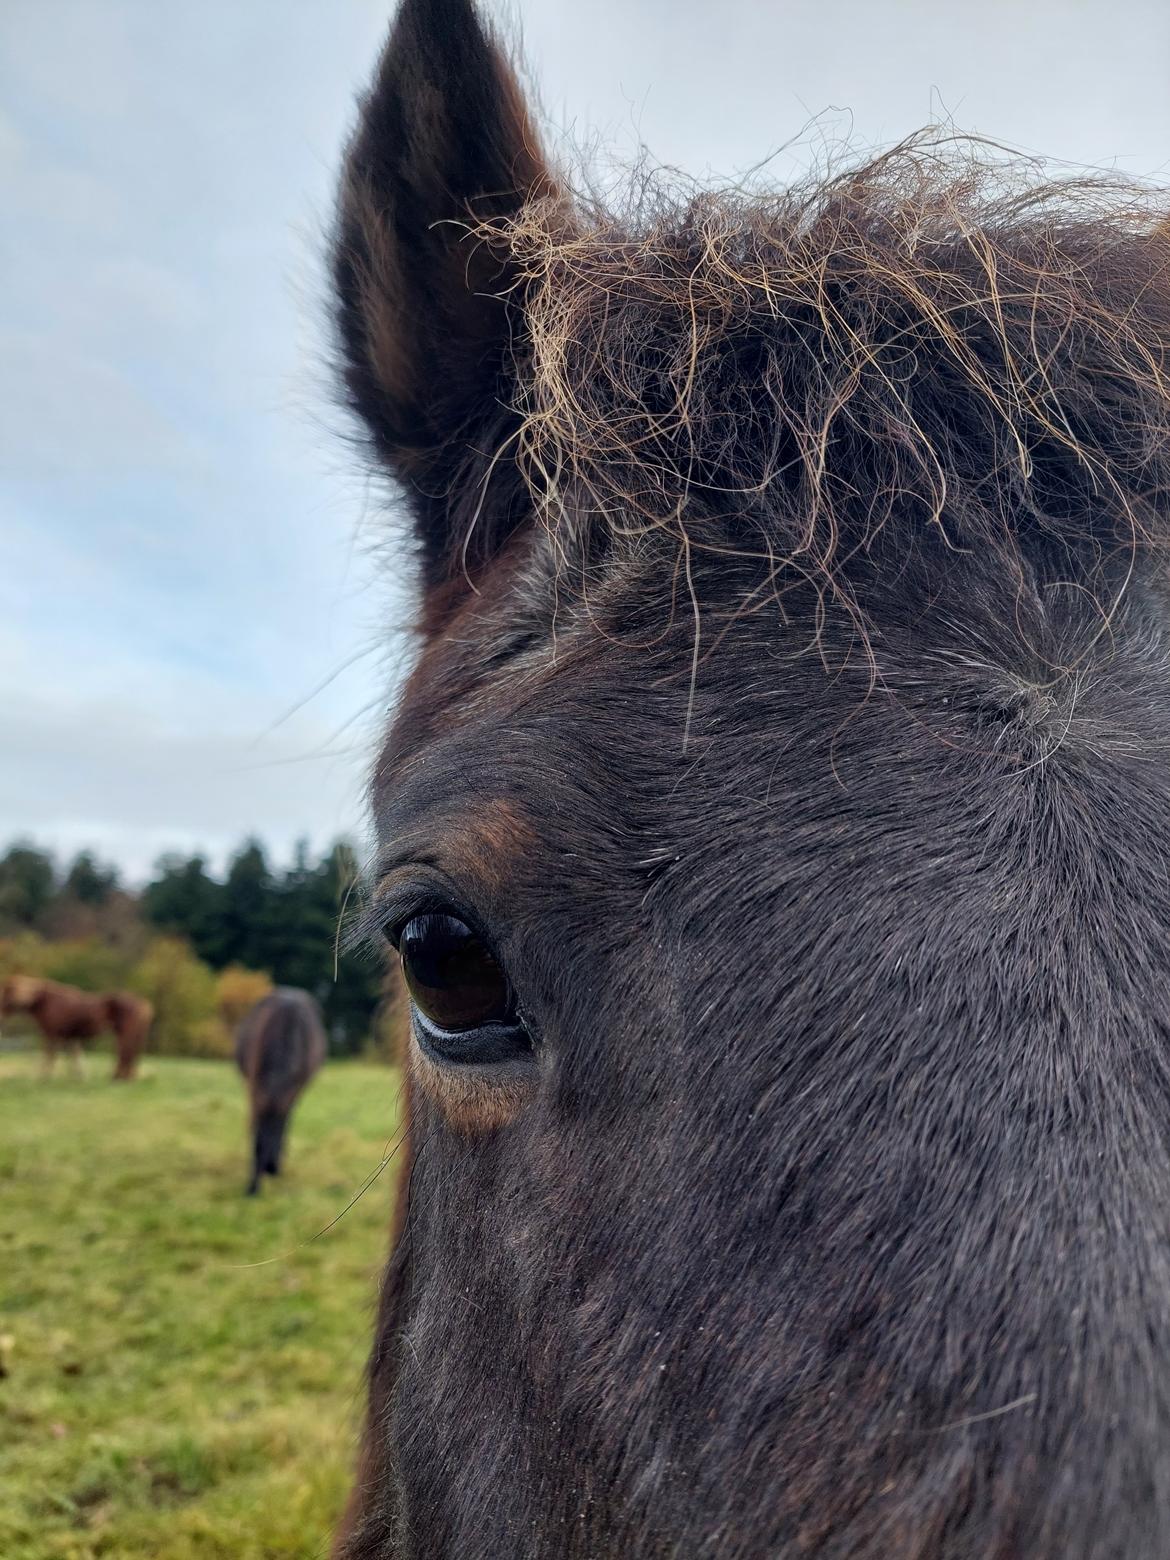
(424, 305)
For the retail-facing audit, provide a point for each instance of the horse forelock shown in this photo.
(927, 354)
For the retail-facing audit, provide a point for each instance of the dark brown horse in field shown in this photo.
(68, 1017)
(775, 832)
(279, 1046)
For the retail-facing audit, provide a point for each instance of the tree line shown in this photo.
(190, 925)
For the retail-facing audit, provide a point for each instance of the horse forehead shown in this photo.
(521, 673)
(525, 668)
(495, 653)
(455, 781)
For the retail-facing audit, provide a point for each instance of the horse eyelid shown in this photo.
(392, 909)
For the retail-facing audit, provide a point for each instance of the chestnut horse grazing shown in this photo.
(775, 833)
(67, 1016)
(279, 1046)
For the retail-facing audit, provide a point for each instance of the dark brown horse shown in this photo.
(775, 832)
(279, 1046)
(68, 1017)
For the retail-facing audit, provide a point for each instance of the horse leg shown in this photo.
(268, 1126)
(78, 1061)
(270, 1141)
(48, 1057)
(253, 1185)
(125, 1055)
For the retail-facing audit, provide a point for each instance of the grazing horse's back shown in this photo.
(774, 832)
(280, 1044)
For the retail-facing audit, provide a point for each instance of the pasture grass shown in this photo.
(159, 1397)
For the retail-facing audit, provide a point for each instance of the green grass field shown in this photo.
(160, 1396)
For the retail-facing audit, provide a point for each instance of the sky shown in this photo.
(202, 595)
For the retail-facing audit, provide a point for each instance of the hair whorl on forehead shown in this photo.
(924, 341)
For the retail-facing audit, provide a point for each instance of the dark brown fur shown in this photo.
(794, 586)
(67, 1017)
(280, 1045)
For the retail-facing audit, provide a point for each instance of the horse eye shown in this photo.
(452, 978)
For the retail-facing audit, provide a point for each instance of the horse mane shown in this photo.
(930, 349)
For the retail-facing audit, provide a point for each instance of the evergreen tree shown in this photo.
(359, 977)
(185, 900)
(88, 881)
(27, 885)
(248, 911)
